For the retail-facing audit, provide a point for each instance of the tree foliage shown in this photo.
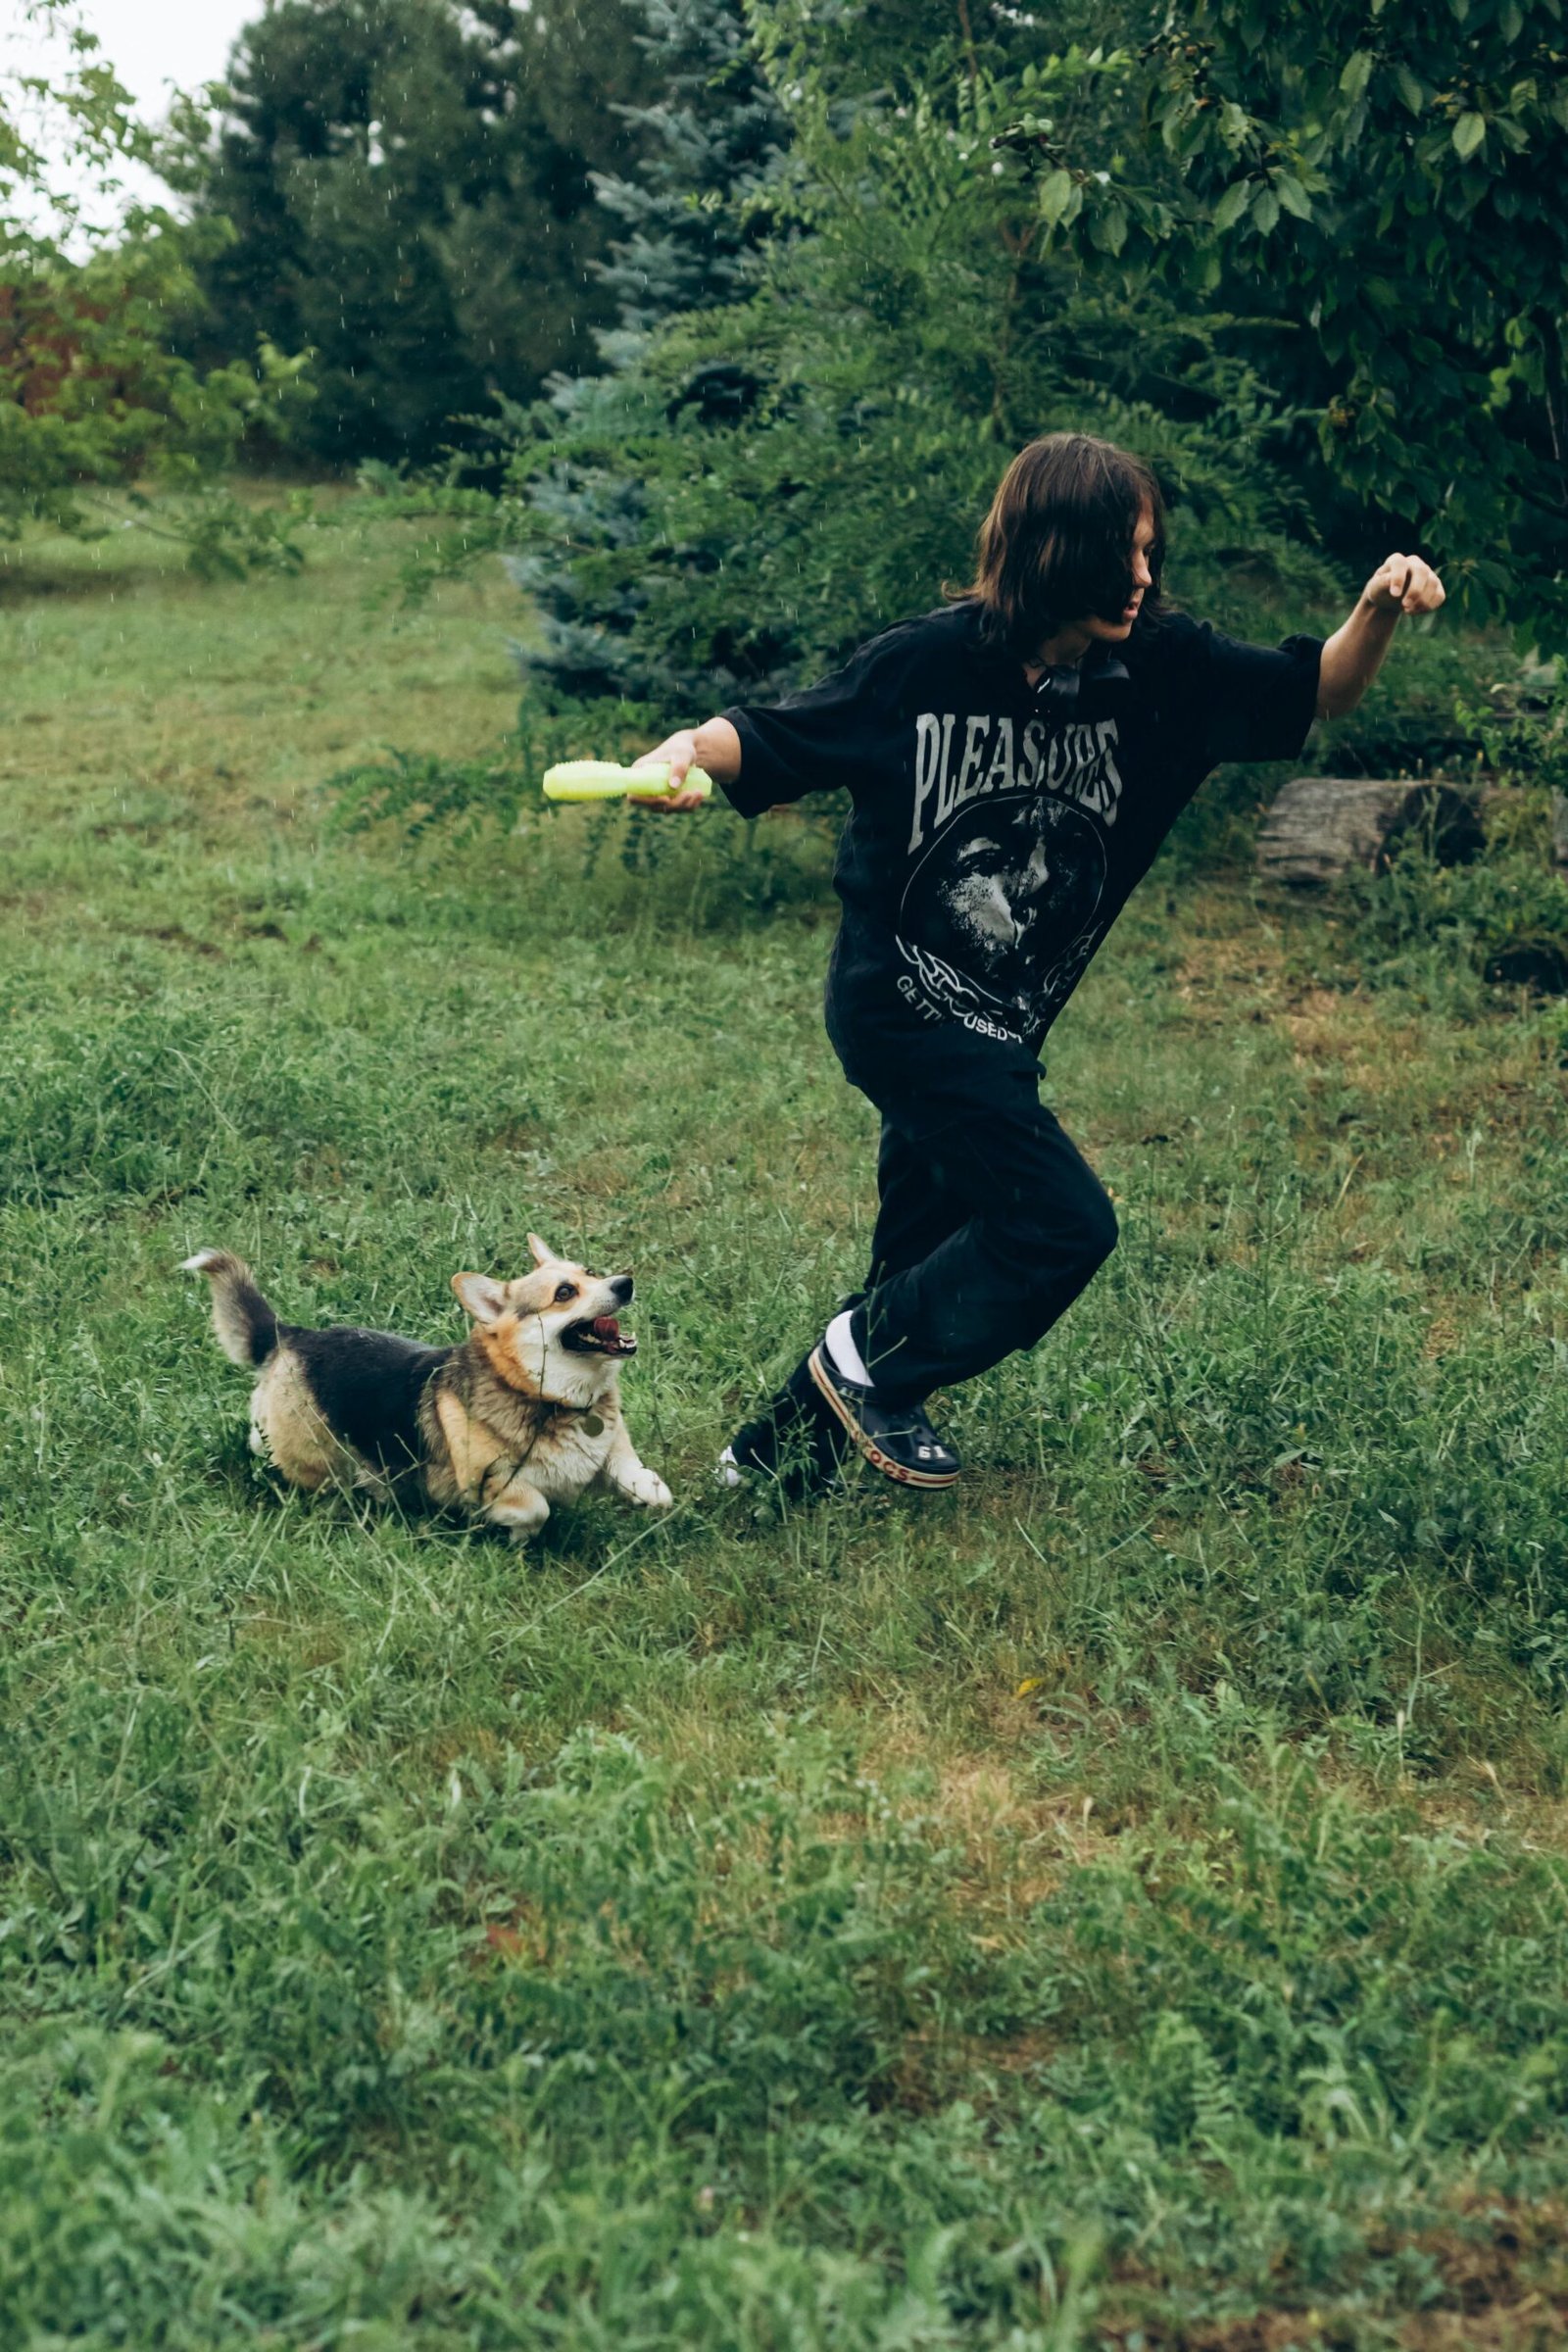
(1381, 188)
(1274, 252)
(777, 476)
(90, 391)
(409, 185)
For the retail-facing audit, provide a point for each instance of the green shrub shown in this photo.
(1505, 915)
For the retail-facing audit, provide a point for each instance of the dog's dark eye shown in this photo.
(563, 1292)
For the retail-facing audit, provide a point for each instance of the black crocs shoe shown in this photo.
(896, 1439)
(794, 1440)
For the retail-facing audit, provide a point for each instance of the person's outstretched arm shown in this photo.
(714, 747)
(1352, 655)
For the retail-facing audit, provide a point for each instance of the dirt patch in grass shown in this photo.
(1014, 1846)
(1503, 2268)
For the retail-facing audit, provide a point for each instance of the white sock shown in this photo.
(729, 1469)
(847, 1357)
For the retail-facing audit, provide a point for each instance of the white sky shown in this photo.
(155, 47)
(155, 43)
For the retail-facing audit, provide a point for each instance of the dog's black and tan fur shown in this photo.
(526, 1412)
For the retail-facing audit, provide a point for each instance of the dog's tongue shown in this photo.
(606, 1327)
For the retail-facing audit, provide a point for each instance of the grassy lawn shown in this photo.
(1120, 1903)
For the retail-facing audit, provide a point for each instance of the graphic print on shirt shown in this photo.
(997, 918)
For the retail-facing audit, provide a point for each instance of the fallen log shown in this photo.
(1321, 826)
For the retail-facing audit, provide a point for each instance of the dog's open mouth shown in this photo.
(601, 1336)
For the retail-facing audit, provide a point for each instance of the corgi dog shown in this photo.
(524, 1413)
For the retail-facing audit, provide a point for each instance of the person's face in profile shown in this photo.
(1111, 629)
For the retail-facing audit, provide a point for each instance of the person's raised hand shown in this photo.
(677, 753)
(1404, 584)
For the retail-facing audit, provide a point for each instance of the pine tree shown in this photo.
(712, 143)
(695, 215)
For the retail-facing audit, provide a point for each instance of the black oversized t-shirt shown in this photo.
(997, 827)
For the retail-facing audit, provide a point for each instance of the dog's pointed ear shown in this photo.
(543, 1255)
(485, 1300)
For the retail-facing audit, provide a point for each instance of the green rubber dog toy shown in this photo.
(603, 780)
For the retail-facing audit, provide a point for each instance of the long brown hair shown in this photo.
(1059, 540)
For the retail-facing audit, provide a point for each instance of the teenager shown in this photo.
(1013, 760)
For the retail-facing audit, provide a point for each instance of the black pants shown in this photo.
(991, 1222)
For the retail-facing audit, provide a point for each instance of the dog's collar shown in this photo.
(560, 1404)
(510, 1462)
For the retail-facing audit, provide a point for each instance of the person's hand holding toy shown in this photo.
(680, 773)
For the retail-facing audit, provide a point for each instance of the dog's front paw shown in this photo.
(647, 1486)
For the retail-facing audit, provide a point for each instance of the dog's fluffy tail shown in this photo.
(246, 1326)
